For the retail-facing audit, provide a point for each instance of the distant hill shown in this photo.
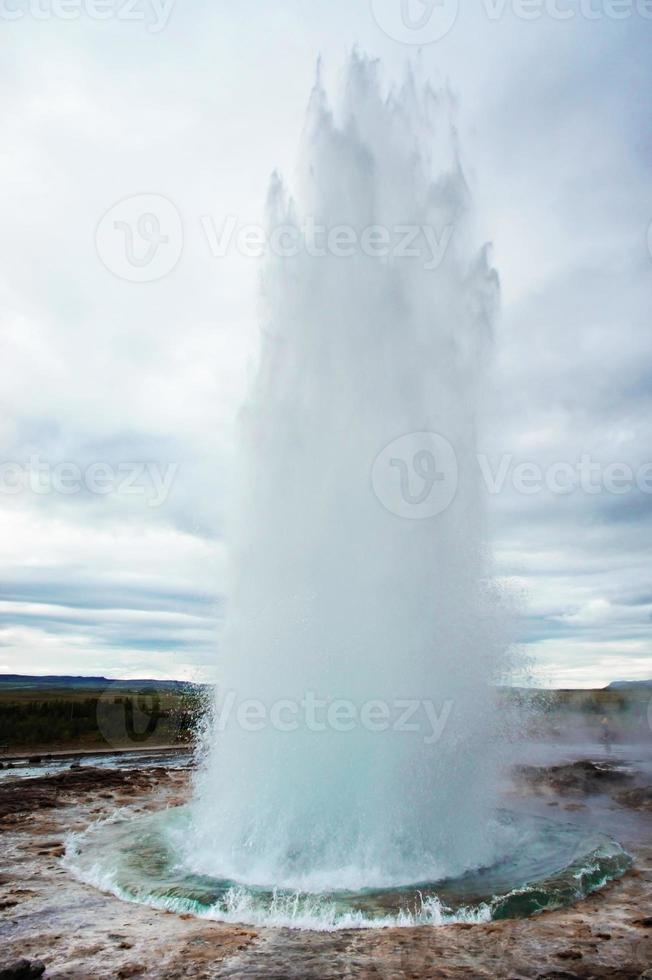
(620, 685)
(26, 682)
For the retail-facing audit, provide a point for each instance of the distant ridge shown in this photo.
(71, 681)
(27, 681)
(619, 685)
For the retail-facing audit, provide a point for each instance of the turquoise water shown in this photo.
(549, 865)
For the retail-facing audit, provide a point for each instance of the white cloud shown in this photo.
(96, 369)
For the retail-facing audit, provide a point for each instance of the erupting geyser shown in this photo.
(352, 772)
(377, 325)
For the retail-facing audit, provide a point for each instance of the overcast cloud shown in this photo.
(554, 120)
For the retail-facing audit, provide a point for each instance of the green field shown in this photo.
(84, 717)
(76, 714)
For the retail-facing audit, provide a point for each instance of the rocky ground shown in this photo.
(55, 927)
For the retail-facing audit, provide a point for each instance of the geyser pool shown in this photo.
(351, 771)
(552, 864)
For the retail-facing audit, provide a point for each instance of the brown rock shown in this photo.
(22, 970)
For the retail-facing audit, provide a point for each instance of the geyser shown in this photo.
(352, 773)
(354, 740)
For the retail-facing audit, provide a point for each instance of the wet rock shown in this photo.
(49, 792)
(639, 798)
(22, 970)
(583, 777)
(132, 970)
(569, 954)
(557, 975)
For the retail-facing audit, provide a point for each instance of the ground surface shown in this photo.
(79, 932)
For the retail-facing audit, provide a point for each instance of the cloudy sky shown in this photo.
(120, 384)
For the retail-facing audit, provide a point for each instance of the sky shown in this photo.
(120, 383)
